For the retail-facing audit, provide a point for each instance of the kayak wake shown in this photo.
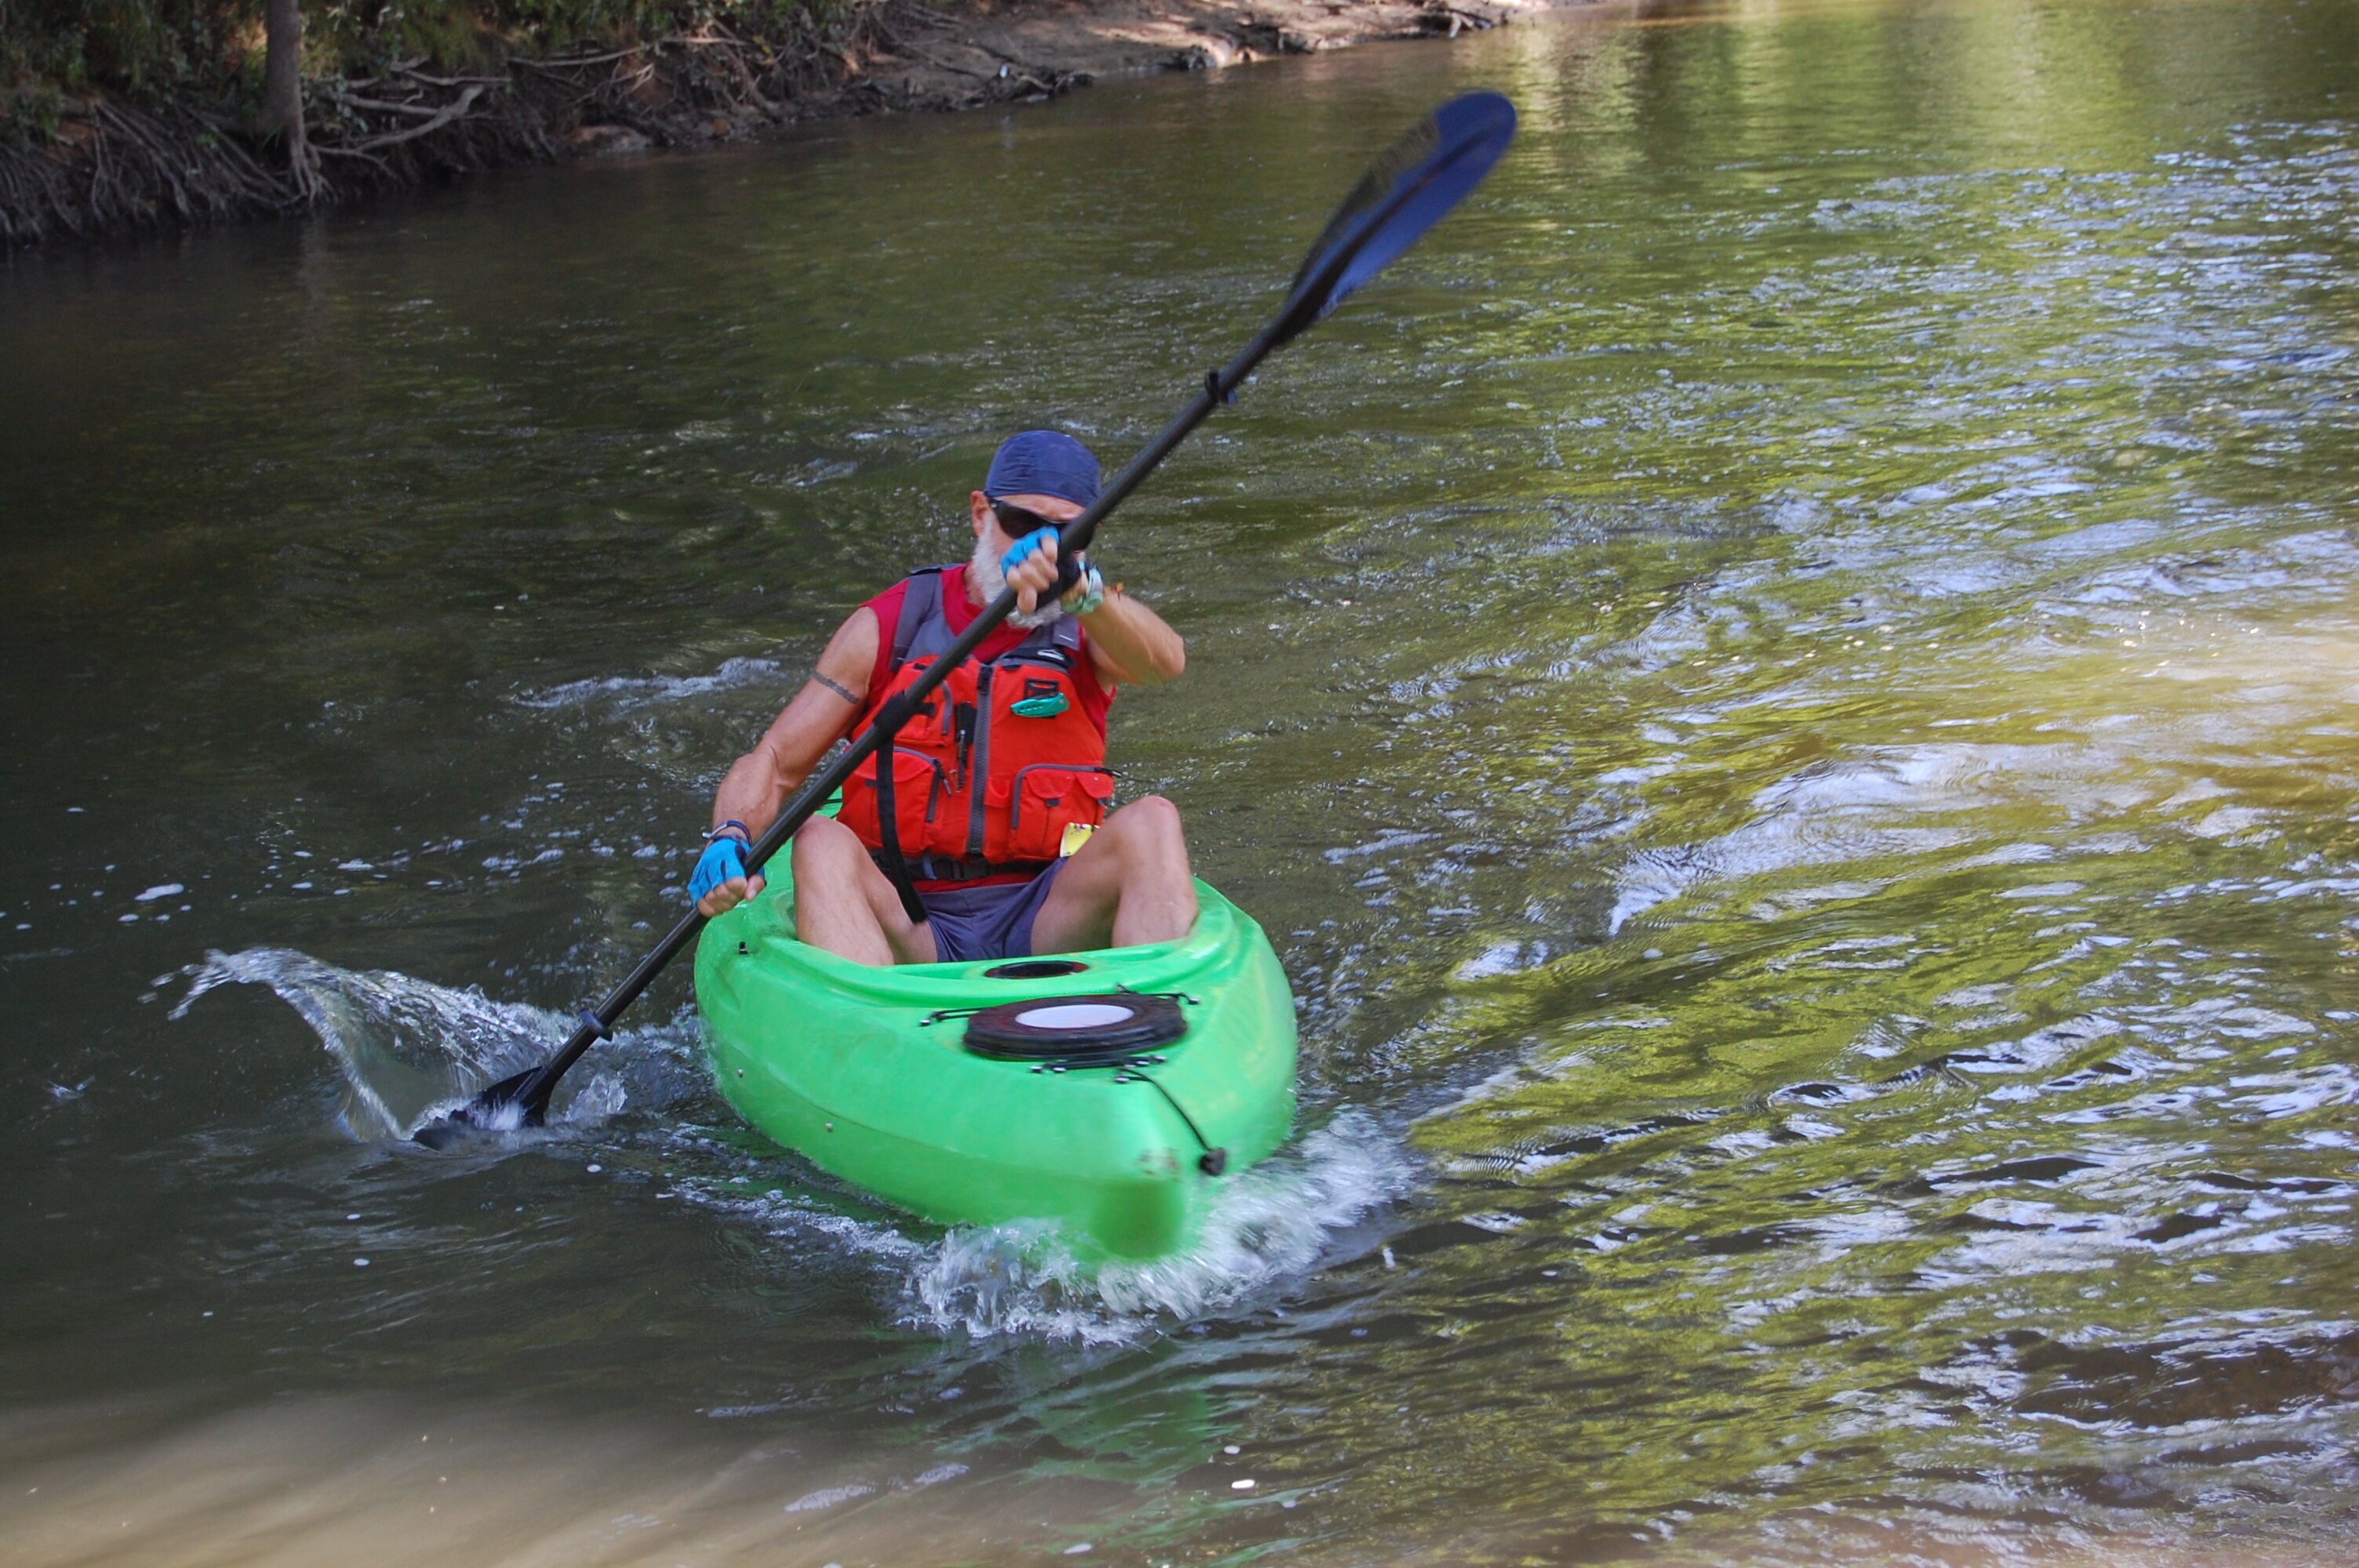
(410, 1050)
(1267, 1229)
(1266, 1226)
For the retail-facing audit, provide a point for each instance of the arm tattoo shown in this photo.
(840, 690)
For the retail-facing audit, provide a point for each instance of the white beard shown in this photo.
(985, 580)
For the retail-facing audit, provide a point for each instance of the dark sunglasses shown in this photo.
(1016, 523)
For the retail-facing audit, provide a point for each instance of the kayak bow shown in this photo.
(869, 1074)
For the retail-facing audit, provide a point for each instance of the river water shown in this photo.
(1783, 687)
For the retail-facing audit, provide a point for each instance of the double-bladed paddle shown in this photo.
(1418, 180)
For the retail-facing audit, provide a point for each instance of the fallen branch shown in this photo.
(450, 112)
(573, 62)
(383, 106)
(448, 81)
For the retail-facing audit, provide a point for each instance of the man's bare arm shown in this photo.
(757, 787)
(1131, 644)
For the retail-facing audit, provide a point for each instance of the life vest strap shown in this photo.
(891, 858)
(921, 601)
(960, 868)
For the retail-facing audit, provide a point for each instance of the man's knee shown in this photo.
(1152, 819)
(822, 845)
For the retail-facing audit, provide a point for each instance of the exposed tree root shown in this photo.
(110, 166)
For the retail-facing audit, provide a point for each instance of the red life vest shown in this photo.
(1002, 758)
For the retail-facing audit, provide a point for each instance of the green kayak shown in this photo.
(1112, 1092)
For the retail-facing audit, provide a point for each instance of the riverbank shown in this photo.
(102, 164)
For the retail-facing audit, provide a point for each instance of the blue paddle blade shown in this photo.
(1411, 187)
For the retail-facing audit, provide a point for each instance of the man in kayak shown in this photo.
(986, 833)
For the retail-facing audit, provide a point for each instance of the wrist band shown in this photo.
(744, 834)
(1093, 593)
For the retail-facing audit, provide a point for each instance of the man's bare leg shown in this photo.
(1129, 884)
(843, 903)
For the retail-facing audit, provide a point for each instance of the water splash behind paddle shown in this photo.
(410, 1049)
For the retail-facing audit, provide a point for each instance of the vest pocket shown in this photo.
(1046, 798)
(919, 785)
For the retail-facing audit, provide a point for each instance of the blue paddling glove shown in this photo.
(723, 860)
(1025, 548)
(1069, 571)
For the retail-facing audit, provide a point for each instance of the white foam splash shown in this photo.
(410, 1049)
(1269, 1224)
(1022, 1281)
(626, 692)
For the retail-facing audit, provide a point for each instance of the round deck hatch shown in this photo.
(1078, 1030)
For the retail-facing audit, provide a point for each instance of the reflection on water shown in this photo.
(1784, 689)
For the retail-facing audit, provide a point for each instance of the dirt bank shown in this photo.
(100, 165)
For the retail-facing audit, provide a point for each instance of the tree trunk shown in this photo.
(282, 82)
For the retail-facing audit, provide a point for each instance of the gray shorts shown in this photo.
(971, 925)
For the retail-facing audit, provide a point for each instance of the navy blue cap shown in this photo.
(1043, 462)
